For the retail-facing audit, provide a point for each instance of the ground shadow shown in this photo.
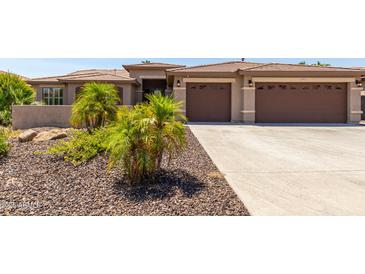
(275, 124)
(159, 186)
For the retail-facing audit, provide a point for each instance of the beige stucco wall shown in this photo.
(179, 93)
(236, 99)
(24, 117)
(248, 111)
(129, 97)
(147, 74)
(353, 103)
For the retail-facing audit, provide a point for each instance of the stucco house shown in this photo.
(132, 82)
(224, 92)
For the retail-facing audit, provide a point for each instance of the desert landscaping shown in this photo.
(36, 184)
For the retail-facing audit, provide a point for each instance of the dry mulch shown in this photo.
(46, 185)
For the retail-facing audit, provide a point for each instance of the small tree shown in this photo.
(167, 127)
(13, 91)
(142, 135)
(129, 143)
(96, 106)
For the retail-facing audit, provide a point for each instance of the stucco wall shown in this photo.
(236, 100)
(147, 74)
(70, 92)
(24, 117)
(353, 103)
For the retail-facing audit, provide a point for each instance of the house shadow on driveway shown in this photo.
(162, 185)
(235, 124)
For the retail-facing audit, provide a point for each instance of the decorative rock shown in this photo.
(53, 134)
(27, 135)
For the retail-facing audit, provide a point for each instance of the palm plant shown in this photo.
(167, 124)
(129, 143)
(13, 91)
(96, 106)
(142, 136)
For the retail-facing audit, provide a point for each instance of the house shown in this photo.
(225, 92)
(132, 82)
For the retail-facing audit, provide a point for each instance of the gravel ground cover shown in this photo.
(46, 185)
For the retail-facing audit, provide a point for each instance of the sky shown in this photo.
(36, 67)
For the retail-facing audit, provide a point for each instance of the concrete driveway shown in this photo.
(291, 170)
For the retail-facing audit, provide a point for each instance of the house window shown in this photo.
(52, 96)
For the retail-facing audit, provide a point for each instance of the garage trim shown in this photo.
(209, 80)
(300, 80)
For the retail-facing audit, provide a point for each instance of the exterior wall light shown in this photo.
(178, 84)
(250, 83)
(358, 83)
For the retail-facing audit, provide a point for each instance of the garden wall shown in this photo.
(24, 117)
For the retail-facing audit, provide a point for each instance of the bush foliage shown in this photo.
(142, 135)
(96, 106)
(13, 91)
(81, 147)
(4, 146)
(136, 142)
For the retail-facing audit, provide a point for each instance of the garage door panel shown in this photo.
(301, 103)
(208, 102)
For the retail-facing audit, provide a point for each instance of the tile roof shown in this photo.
(297, 67)
(98, 75)
(152, 65)
(119, 72)
(218, 67)
(249, 66)
(119, 75)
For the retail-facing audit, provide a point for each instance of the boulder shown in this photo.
(50, 135)
(27, 135)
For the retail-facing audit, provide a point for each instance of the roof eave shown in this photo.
(103, 81)
(301, 73)
(201, 73)
(138, 67)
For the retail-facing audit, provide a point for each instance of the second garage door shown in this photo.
(208, 102)
(301, 103)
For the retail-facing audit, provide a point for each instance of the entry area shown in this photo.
(152, 85)
(208, 102)
(301, 103)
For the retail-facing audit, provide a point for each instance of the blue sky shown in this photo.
(35, 67)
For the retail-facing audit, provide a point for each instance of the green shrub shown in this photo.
(81, 147)
(95, 106)
(13, 91)
(143, 134)
(4, 146)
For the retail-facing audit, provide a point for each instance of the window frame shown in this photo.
(53, 96)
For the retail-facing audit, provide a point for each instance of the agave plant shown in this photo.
(13, 91)
(95, 106)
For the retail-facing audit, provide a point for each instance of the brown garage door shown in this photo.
(208, 102)
(301, 103)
